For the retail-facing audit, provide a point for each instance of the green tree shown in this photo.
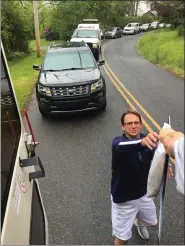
(17, 25)
(170, 11)
(66, 15)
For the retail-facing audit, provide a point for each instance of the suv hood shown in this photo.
(87, 40)
(69, 77)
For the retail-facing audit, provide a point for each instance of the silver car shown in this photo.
(161, 25)
(145, 27)
(154, 25)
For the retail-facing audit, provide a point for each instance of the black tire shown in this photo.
(103, 107)
(43, 113)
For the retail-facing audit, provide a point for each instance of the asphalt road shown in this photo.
(76, 153)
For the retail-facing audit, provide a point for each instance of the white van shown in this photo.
(91, 34)
(23, 217)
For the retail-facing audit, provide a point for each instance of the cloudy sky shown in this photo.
(142, 8)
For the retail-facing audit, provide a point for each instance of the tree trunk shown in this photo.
(136, 7)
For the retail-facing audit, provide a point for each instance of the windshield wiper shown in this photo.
(51, 70)
(90, 37)
(65, 69)
(72, 68)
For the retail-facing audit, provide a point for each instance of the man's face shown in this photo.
(132, 125)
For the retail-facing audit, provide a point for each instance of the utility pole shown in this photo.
(136, 7)
(37, 32)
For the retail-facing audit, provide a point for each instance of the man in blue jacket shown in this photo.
(131, 160)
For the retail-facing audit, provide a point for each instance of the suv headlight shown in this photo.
(95, 45)
(96, 86)
(45, 90)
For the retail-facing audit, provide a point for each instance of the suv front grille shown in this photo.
(70, 91)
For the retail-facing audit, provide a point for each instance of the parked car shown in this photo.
(140, 26)
(154, 24)
(161, 25)
(145, 27)
(70, 80)
(168, 25)
(114, 32)
(131, 28)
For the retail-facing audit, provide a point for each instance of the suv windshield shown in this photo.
(85, 34)
(68, 60)
(131, 25)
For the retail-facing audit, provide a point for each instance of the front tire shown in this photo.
(103, 106)
(43, 113)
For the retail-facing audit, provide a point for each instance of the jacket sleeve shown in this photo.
(124, 150)
(179, 165)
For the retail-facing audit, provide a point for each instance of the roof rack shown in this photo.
(90, 21)
(68, 45)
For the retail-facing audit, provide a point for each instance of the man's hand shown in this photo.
(168, 138)
(150, 140)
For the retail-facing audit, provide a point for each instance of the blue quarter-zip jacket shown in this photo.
(130, 167)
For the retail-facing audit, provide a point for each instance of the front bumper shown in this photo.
(109, 36)
(128, 32)
(51, 105)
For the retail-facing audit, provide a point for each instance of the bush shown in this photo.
(181, 30)
(127, 19)
(15, 55)
(50, 35)
(13, 33)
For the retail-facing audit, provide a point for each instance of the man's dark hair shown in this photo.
(130, 112)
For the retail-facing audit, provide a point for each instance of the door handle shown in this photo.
(33, 161)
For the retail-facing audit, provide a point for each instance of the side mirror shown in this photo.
(100, 63)
(36, 67)
(102, 37)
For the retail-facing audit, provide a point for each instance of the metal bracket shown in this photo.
(33, 161)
